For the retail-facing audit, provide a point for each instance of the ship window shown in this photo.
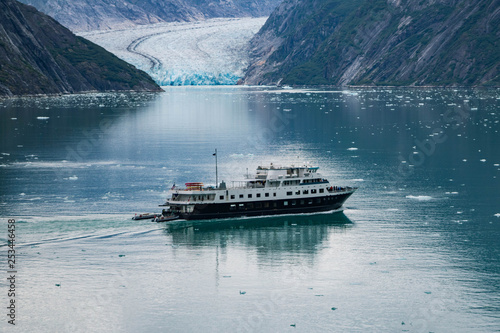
(294, 202)
(241, 196)
(289, 193)
(258, 205)
(258, 195)
(232, 196)
(313, 191)
(266, 204)
(267, 194)
(232, 207)
(318, 200)
(285, 203)
(221, 197)
(321, 190)
(310, 202)
(249, 195)
(250, 205)
(302, 202)
(305, 192)
(241, 206)
(275, 204)
(298, 192)
(274, 194)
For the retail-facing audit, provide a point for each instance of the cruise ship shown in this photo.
(272, 190)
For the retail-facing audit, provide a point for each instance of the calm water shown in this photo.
(417, 248)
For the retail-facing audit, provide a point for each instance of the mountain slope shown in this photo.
(40, 56)
(379, 42)
(86, 15)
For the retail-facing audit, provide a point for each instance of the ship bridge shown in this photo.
(282, 172)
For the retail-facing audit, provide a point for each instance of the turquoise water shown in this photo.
(415, 250)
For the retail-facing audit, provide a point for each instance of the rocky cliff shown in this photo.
(379, 42)
(86, 15)
(40, 56)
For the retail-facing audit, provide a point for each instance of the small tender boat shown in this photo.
(145, 216)
(166, 215)
(166, 218)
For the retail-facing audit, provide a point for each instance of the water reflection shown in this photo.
(288, 233)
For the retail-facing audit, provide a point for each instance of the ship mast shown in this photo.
(216, 173)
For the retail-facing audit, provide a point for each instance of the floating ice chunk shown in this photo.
(42, 118)
(419, 197)
(497, 215)
(73, 178)
(13, 118)
(352, 148)
(358, 180)
(483, 160)
(6, 154)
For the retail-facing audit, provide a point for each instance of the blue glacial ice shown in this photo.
(185, 78)
(211, 52)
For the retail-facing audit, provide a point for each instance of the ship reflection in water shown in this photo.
(282, 233)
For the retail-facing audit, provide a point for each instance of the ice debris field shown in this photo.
(211, 52)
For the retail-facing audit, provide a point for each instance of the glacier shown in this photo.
(210, 52)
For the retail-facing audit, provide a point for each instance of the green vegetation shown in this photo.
(310, 73)
(39, 56)
(415, 43)
(87, 56)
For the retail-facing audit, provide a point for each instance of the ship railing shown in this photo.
(192, 188)
(247, 184)
(335, 189)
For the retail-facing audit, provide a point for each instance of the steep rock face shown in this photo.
(379, 42)
(40, 56)
(86, 15)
